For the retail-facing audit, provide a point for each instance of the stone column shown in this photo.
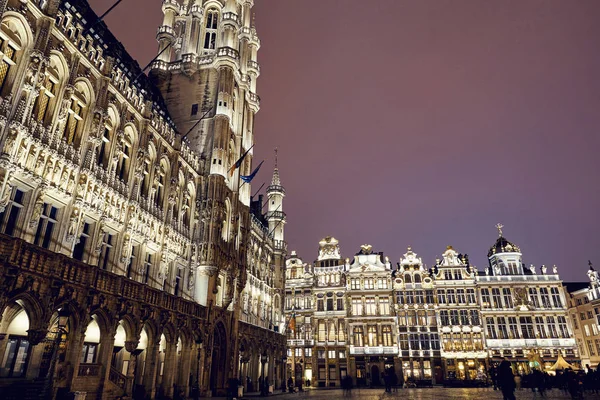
(131, 347)
(36, 339)
(107, 344)
(183, 375)
(170, 368)
(151, 369)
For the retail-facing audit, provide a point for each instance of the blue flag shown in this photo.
(248, 178)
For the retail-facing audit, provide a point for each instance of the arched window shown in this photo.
(46, 101)
(103, 155)
(13, 38)
(159, 185)
(73, 129)
(124, 163)
(407, 278)
(210, 33)
(417, 278)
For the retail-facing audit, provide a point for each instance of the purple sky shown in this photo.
(425, 123)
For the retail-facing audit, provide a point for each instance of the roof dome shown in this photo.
(502, 245)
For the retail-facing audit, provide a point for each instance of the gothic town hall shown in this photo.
(132, 256)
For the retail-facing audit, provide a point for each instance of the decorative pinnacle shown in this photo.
(276, 181)
(499, 226)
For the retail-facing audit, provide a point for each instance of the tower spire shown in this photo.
(276, 181)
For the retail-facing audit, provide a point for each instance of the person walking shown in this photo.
(506, 380)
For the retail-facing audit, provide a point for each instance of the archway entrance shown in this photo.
(219, 359)
(375, 375)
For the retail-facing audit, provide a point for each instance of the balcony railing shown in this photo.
(33, 259)
(117, 378)
(228, 52)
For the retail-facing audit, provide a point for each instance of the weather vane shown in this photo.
(499, 226)
(275, 157)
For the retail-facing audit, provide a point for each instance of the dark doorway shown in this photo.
(219, 359)
(298, 374)
(375, 376)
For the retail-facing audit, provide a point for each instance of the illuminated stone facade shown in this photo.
(584, 310)
(132, 261)
(429, 325)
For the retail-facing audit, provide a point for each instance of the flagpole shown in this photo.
(261, 186)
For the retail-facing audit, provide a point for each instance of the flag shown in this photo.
(238, 163)
(292, 323)
(248, 178)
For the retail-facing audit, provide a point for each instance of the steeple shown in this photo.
(275, 181)
(275, 214)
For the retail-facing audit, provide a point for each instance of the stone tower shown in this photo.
(207, 71)
(276, 218)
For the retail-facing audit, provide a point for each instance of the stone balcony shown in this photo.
(20, 260)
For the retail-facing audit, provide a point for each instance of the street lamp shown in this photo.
(63, 319)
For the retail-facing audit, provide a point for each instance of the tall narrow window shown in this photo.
(210, 35)
(104, 150)
(513, 328)
(7, 61)
(384, 306)
(132, 262)
(45, 227)
(485, 298)
(47, 92)
(359, 340)
(552, 327)
(562, 327)
(540, 327)
(357, 309)
(502, 329)
(105, 252)
(9, 218)
(533, 297)
(556, 300)
(147, 268)
(178, 281)
(386, 331)
(322, 331)
(370, 306)
(497, 298)
(74, 120)
(451, 296)
(491, 328)
(471, 296)
(372, 335)
(527, 327)
(80, 248)
(125, 160)
(545, 297)
(508, 301)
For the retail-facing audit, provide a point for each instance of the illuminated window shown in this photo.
(9, 218)
(508, 301)
(8, 58)
(45, 226)
(210, 34)
(372, 335)
(370, 308)
(384, 306)
(358, 334)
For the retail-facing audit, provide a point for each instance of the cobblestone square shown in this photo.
(436, 393)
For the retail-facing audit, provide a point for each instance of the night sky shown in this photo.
(425, 123)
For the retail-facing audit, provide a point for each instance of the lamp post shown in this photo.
(63, 319)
